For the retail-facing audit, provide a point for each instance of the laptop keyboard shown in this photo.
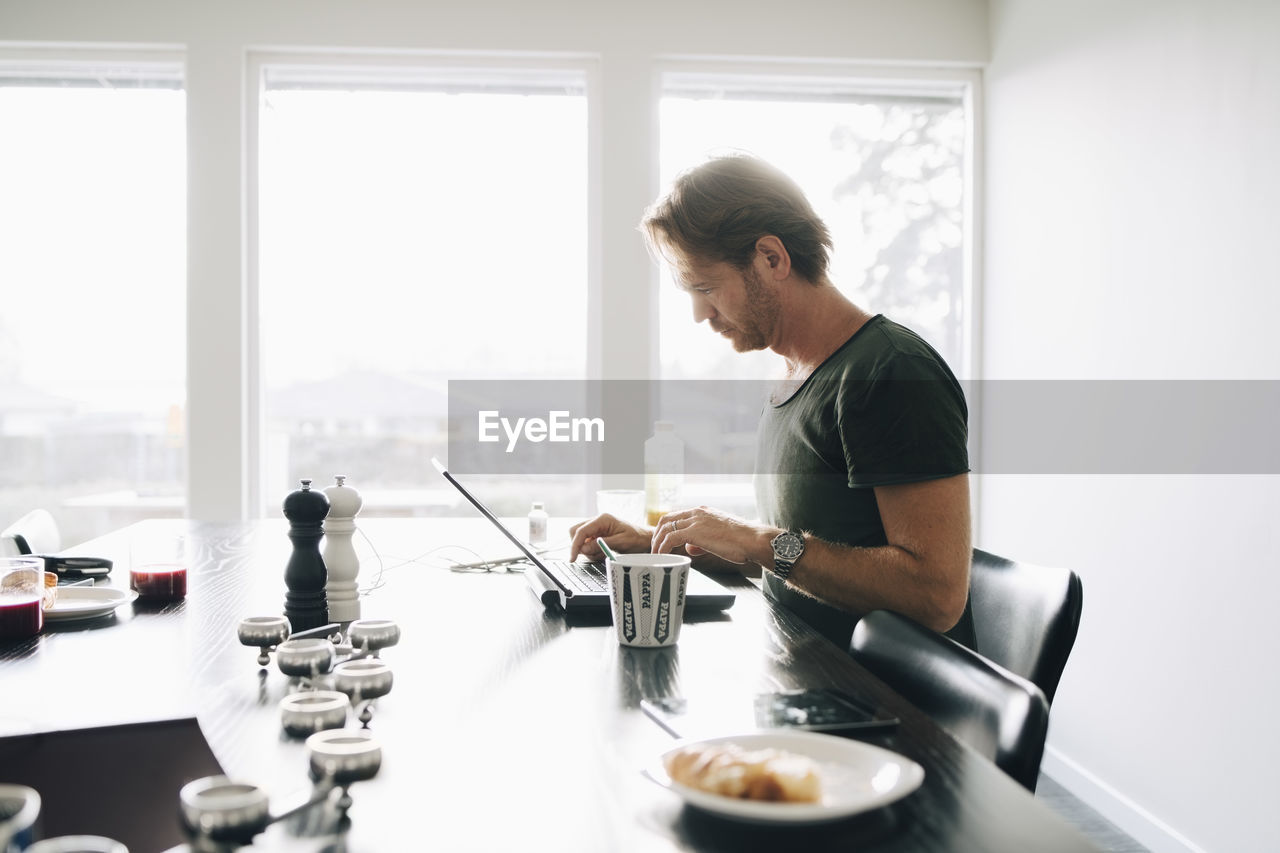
(587, 577)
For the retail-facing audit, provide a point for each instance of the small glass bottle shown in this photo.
(537, 524)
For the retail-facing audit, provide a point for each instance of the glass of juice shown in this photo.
(21, 597)
(159, 581)
(158, 569)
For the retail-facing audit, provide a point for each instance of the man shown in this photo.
(861, 461)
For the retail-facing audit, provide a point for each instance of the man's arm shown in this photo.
(923, 571)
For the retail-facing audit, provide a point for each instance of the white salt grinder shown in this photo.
(339, 554)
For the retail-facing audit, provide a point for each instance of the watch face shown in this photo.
(788, 546)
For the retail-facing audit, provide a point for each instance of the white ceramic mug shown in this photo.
(647, 592)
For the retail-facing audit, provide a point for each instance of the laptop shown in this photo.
(580, 586)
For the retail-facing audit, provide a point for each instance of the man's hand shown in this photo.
(623, 538)
(703, 530)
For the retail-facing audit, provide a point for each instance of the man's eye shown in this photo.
(703, 290)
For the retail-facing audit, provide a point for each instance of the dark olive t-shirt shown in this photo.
(881, 410)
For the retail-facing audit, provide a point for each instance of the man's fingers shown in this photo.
(620, 536)
(602, 525)
(670, 524)
(581, 535)
(670, 544)
(669, 537)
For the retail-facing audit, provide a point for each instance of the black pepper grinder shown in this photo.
(305, 603)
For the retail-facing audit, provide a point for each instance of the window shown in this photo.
(886, 167)
(416, 225)
(93, 275)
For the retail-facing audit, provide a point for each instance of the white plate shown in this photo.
(87, 602)
(856, 777)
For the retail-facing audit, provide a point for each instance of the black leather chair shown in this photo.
(1025, 617)
(1001, 715)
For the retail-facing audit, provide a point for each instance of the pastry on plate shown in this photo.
(50, 590)
(729, 770)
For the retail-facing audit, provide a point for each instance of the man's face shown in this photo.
(736, 304)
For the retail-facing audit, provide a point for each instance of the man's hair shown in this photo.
(717, 211)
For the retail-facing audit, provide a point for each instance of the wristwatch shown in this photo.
(787, 548)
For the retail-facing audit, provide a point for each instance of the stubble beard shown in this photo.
(759, 317)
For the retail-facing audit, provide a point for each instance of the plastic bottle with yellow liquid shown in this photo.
(663, 471)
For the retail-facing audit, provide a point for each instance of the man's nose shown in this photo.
(702, 309)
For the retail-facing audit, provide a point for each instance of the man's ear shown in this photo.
(773, 255)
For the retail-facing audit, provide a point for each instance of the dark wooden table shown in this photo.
(508, 728)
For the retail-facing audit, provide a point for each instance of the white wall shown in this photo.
(1133, 206)
(624, 38)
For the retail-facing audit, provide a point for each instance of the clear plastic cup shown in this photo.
(623, 504)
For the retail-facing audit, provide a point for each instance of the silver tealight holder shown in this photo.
(341, 757)
(265, 633)
(363, 680)
(306, 713)
(19, 816)
(305, 658)
(220, 810)
(368, 636)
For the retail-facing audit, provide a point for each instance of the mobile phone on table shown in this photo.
(76, 567)
(815, 709)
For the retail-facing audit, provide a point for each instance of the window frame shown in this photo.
(383, 69)
(152, 66)
(163, 64)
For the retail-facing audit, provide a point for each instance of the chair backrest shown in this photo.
(34, 533)
(1001, 715)
(1025, 617)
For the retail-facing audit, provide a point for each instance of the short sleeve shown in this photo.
(906, 424)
